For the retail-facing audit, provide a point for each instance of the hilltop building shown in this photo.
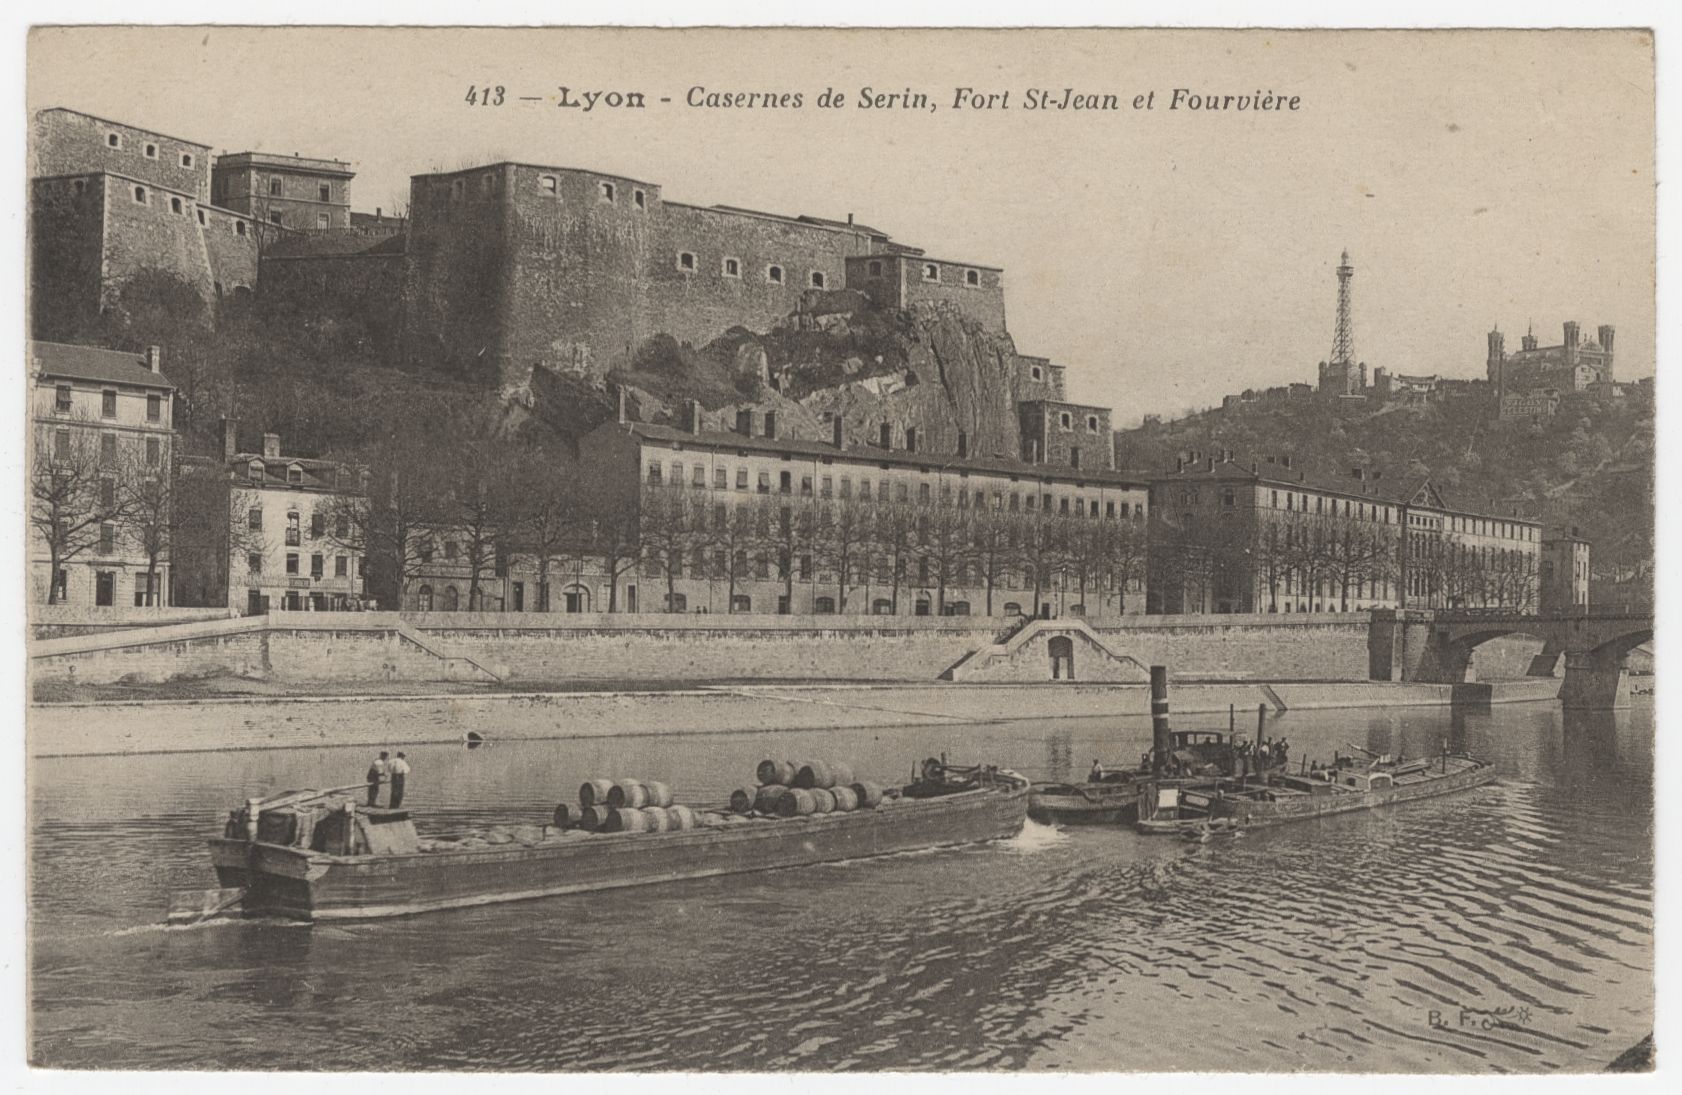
(108, 200)
(1572, 366)
(298, 192)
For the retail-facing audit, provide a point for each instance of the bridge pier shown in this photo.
(1595, 680)
(1546, 664)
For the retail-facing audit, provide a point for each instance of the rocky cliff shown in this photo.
(930, 369)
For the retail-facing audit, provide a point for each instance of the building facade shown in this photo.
(1565, 573)
(270, 532)
(733, 523)
(109, 201)
(100, 503)
(1572, 366)
(299, 192)
(586, 266)
(1266, 537)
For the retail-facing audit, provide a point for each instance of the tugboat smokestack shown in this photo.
(1160, 743)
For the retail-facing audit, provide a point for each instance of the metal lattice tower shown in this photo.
(1343, 338)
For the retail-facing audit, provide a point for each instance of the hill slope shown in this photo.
(1591, 466)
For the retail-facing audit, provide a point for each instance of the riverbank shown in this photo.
(446, 710)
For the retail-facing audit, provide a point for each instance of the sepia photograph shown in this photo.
(741, 550)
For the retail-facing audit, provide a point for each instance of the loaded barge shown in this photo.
(1200, 783)
(319, 856)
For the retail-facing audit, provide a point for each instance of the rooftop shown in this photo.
(59, 359)
(866, 454)
(313, 164)
(125, 125)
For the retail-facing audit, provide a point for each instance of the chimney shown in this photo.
(840, 432)
(771, 424)
(849, 220)
(694, 415)
(621, 391)
(271, 446)
(154, 358)
(230, 438)
(376, 212)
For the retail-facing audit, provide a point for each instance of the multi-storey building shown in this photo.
(270, 532)
(1565, 573)
(753, 522)
(109, 201)
(1267, 537)
(299, 192)
(591, 264)
(100, 505)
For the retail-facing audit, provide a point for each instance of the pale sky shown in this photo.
(1166, 257)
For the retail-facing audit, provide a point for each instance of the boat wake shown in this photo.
(1035, 837)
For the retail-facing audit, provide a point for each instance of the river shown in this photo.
(1378, 941)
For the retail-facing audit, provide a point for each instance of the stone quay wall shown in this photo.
(515, 647)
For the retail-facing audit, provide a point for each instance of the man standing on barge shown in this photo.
(376, 776)
(399, 774)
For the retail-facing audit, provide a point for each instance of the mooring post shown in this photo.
(1261, 720)
(1161, 745)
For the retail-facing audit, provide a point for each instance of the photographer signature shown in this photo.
(1464, 1018)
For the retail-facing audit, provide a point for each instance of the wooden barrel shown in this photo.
(823, 800)
(842, 772)
(779, 772)
(765, 801)
(814, 773)
(563, 817)
(795, 802)
(593, 819)
(846, 799)
(626, 820)
(594, 791)
(658, 820)
(869, 795)
(682, 817)
(628, 793)
(658, 793)
(741, 801)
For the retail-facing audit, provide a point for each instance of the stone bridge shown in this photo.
(1436, 647)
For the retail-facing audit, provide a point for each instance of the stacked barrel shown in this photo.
(790, 788)
(628, 806)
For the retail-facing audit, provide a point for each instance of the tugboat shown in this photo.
(1111, 796)
(319, 855)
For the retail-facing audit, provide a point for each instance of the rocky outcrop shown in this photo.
(930, 369)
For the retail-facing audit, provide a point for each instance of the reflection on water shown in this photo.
(1353, 942)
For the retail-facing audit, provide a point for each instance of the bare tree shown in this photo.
(1122, 552)
(896, 541)
(943, 540)
(547, 528)
(993, 550)
(146, 494)
(73, 496)
(669, 518)
(843, 543)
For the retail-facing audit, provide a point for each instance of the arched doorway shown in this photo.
(576, 598)
(423, 599)
(452, 599)
(1062, 650)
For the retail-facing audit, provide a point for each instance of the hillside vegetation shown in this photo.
(1591, 466)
